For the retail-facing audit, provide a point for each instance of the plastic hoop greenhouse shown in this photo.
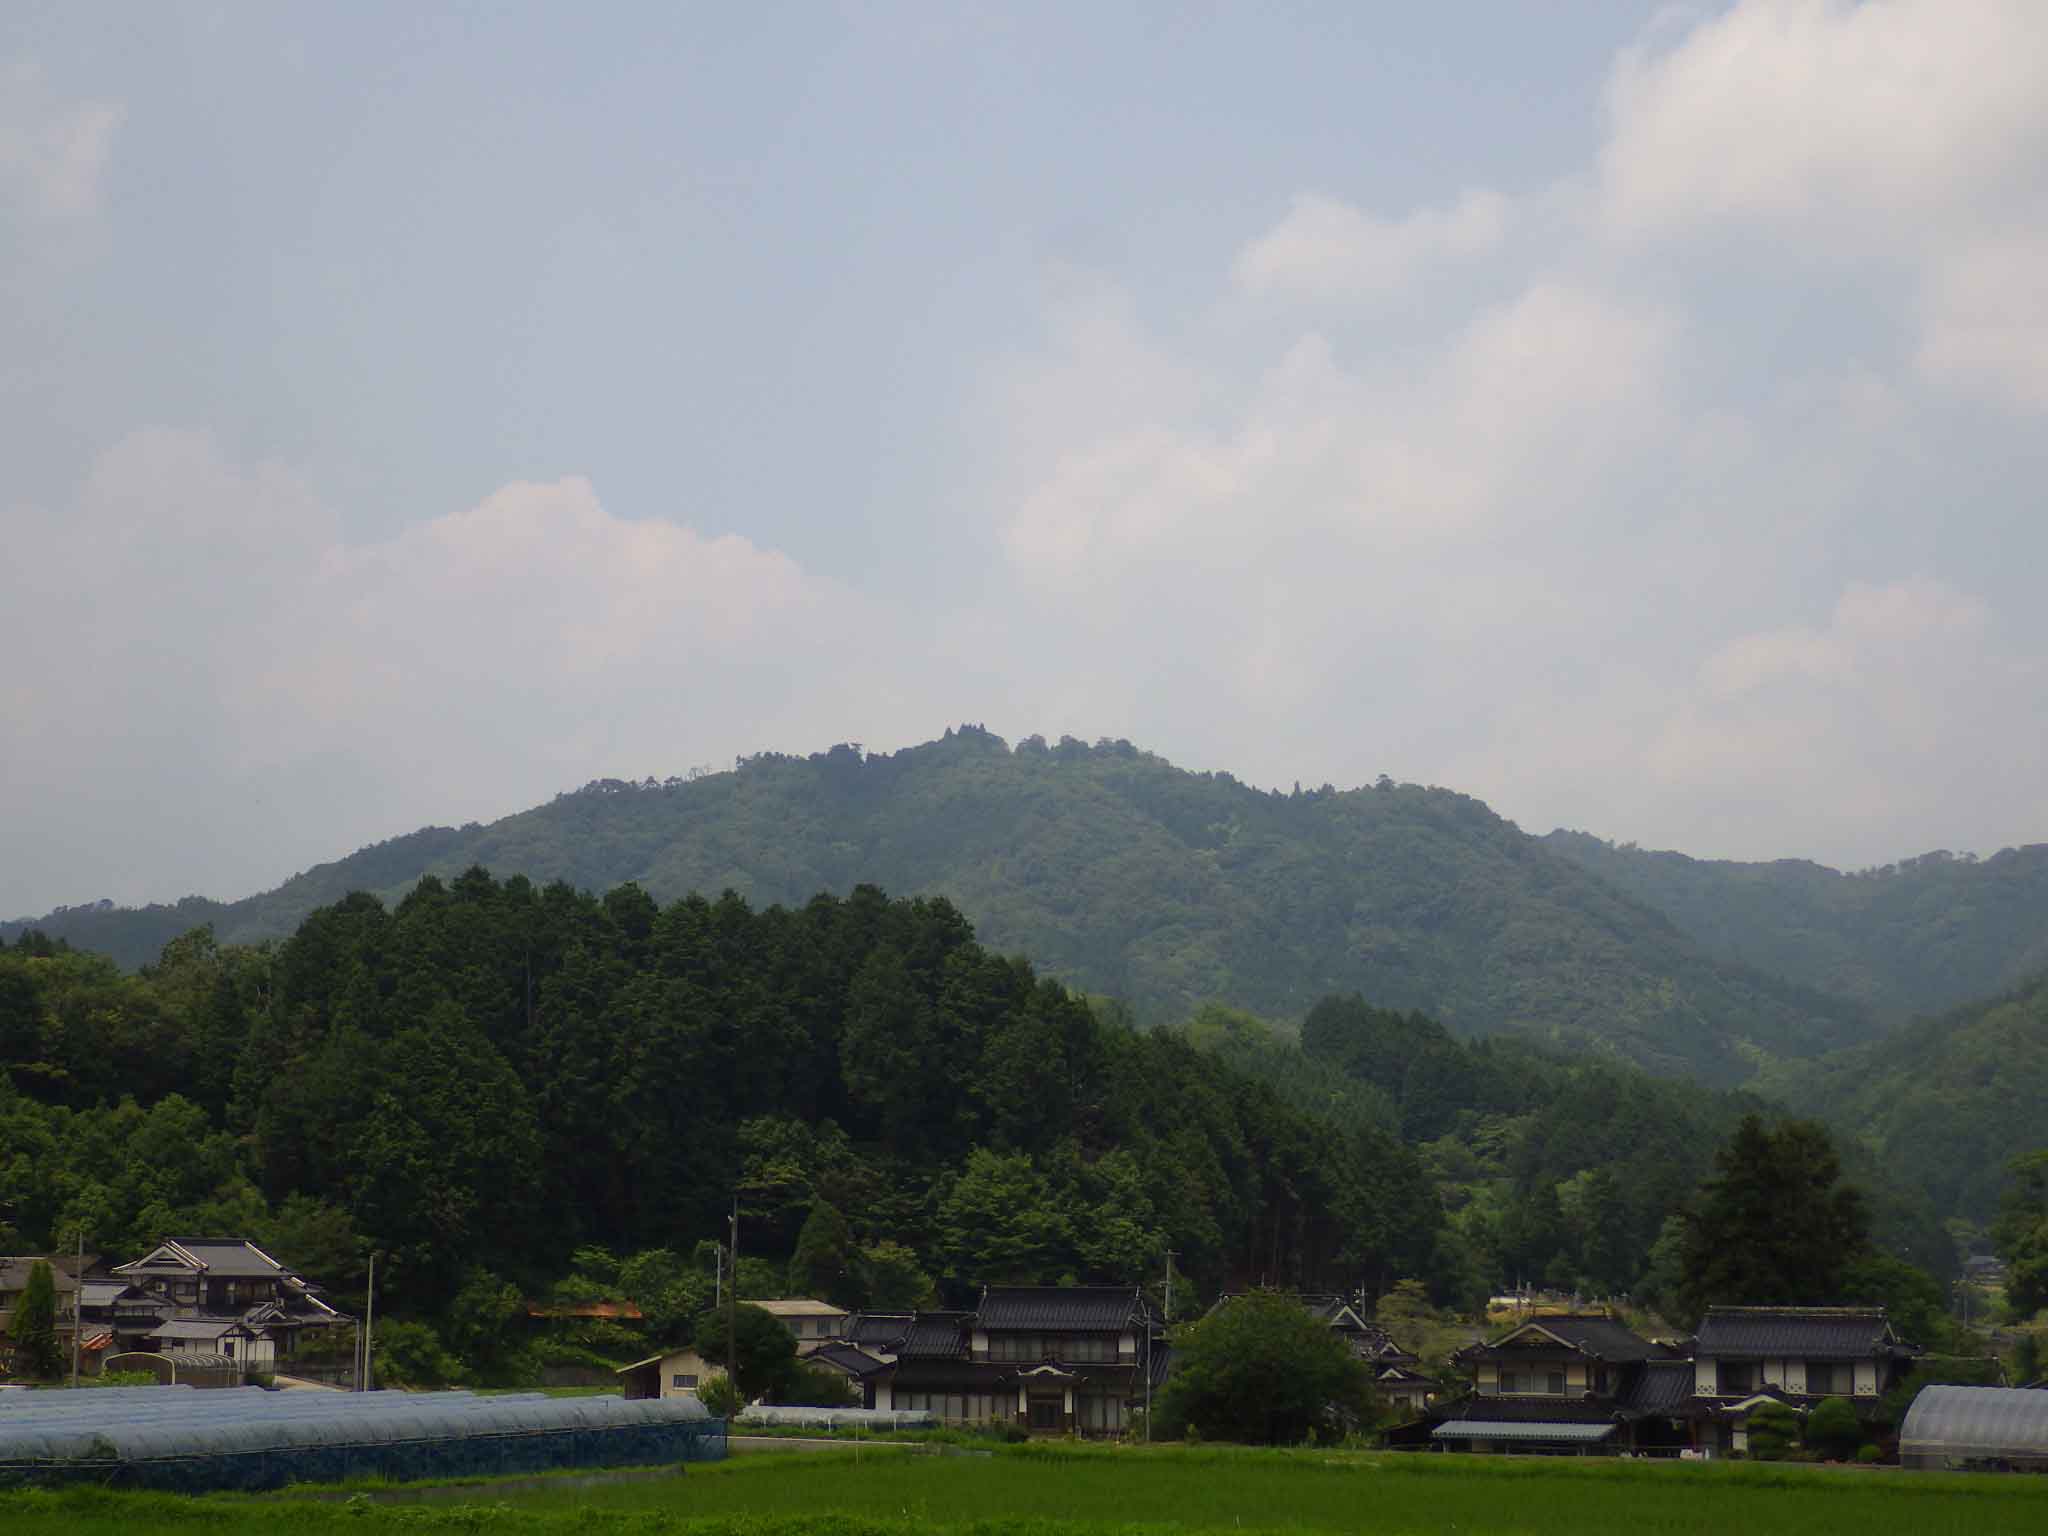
(182, 1439)
(1990, 1427)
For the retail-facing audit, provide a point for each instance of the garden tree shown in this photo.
(485, 1319)
(1000, 1215)
(2021, 1233)
(1775, 1226)
(766, 1352)
(34, 1325)
(824, 1264)
(816, 1386)
(719, 1397)
(892, 1280)
(1832, 1428)
(1260, 1370)
(2026, 1359)
(669, 1292)
(1773, 1431)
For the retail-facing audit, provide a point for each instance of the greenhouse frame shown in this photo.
(1972, 1428)
(183, 1439)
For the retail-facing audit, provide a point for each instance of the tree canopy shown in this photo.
(1261, 1370)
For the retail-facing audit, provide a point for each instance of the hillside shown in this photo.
(1124, 875)
(1912, 938)
(1944, 1102)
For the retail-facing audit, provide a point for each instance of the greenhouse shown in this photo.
(187, 1440)
(1994, 1428)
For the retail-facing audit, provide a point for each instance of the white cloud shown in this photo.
(1326, 248)
(208, 648)
(1891, 134)
(53, 153)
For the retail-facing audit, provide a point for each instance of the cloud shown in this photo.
(1326, 248)
(1893, 134)
(217, 661)
(52, 153)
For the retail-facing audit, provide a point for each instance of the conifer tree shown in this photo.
(35, 1324)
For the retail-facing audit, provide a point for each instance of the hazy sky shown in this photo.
(1635, 416)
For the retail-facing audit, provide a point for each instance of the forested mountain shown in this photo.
(493, 1080)
(1945, 1101)
(1125, 876)
(1916, 937)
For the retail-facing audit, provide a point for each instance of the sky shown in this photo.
(1635, 416)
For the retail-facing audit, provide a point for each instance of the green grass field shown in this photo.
(1087, 1492)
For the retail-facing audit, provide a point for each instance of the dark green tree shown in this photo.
(1260, 1370)
(766, 1352)
(892, 1278)
(824, 1264)
(35, 1324)
(1774, 1226)
(1773, 1431)
(2021, 1233)
(1832, 1428)
(1913, 1300)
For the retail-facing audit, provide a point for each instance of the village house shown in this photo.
(1052, 1359)
(1746, 1356)
(1575, 1384)
(1394, 1372)
(14, 1273)
(811, 1323)
(673, 1373)
(217, 1304)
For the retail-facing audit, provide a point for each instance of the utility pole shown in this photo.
(732, 1308)
(370, 1328)
(1169, 1285)
(77, 1298)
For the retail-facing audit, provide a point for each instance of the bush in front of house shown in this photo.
(1832, 1428)
(1868, 1454)
(1773, 1432)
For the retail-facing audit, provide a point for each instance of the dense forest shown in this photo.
(1918, 937)
(1947, 1101)
(508, 1089)
(1124, 876)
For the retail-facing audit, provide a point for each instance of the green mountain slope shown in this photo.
(1122, 874)
(1944, 1102)
(1916, 937)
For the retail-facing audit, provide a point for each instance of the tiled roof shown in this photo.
(1595, 1335)
(798, 1306)
(1662, 1388)
(855, 1362)
(935, 1336)
(1811, 1333)
(14, 1272)
(1097, 1308)
(878, 1330)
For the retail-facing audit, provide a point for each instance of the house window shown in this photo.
(1554, 1384)
(683, 1381)
(1045, 1413)
(1737, 1377)
(227, 1347)
(1510, 1382)
(1821, 1379)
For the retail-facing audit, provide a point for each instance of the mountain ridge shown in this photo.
(1122, 874)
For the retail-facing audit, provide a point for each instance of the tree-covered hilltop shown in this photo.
(1917, 937)
(1125, 876)
(491, 1076)
(1946, 1101)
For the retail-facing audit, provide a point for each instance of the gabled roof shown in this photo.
(878, 1330)
(1057, 1308)
(935, 1336)
(1594, 1335)
(14, 1272)
(1810, 1333)
(1534, 1410)
(198, 1328)
(855, 1362)
(217, 1258)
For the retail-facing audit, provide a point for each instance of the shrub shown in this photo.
(1868, 1453)
(1773, 1431)
(720, 1396)
(1831, 1428)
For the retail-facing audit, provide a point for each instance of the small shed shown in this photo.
(1989, 1428)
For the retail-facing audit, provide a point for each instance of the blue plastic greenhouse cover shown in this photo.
(246, 1437)
(1976, 1424)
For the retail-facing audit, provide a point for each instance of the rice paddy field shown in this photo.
(1034, 1491)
